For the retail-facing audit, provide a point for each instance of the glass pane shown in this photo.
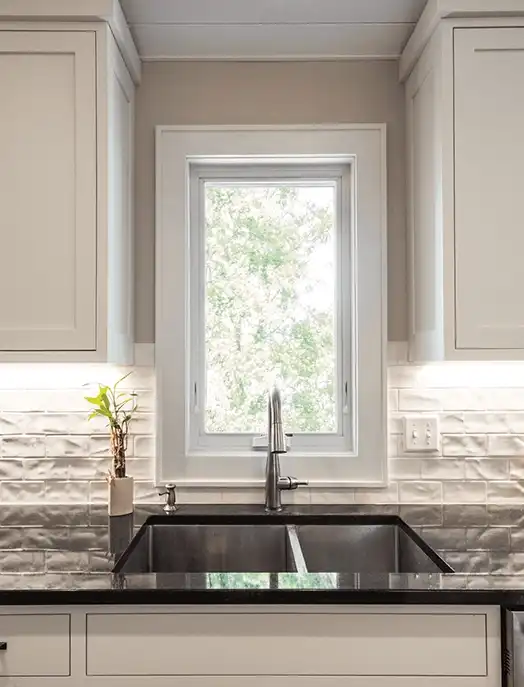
(270, 305)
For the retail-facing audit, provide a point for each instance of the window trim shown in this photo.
(341, 178)
(362, 146)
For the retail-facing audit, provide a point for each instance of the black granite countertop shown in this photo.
(64, 555)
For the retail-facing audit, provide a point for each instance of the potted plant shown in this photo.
(118, 408)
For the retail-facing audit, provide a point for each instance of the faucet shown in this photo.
(276, 444)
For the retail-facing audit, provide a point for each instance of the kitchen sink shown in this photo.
(363, 548)
(290, 543)
(172, 548)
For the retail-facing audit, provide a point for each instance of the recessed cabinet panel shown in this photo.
(276, 644)
(48, 230)
(35, 646)
(489, 188)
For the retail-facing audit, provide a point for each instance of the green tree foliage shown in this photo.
(270, 285)
(271, 580)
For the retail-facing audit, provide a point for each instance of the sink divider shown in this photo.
(296, 549)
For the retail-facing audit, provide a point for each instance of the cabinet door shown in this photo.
(489, 188)
(47, 191)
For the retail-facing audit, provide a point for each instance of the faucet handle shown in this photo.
(295, 483)
(291, 483)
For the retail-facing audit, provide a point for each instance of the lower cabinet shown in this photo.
(246, 646)
(35, 645)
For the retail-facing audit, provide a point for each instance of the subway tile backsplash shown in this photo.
(51, 453)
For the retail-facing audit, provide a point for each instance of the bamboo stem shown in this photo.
(118, 449)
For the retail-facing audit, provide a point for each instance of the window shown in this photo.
(270, 268)
(271, 302)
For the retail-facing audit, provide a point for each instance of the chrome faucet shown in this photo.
(276, 444)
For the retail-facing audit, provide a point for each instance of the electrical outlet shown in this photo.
(421, 434)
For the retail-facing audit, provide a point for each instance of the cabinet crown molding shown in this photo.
(108, 11)
(437, 10)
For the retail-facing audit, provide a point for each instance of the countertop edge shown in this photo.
(75, 597)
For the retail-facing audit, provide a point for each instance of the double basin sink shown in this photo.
(281, 543)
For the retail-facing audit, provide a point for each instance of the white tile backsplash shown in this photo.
(464, 491)
(51, 469)
(443, 469)
(464, 445)
(505, 492)
(97, 491)
(506, 445)
(516, 468)
(99, 446)
(328, 496)
(487, 469)
(50, 452)
(22, 447)
(369, 496)
(493, 423)
(72, 445)
(21, 492)
(70, 491)
(405, 468)
(416, 400)
(11, 469)
(144, 447)
(427, 491)
(16, 423)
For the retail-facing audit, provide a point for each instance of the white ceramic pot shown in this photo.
(120, 497)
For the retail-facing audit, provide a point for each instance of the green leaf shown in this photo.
(95, 413)
(122, 378)
(123, 404)
(99, 413)
(106, 404)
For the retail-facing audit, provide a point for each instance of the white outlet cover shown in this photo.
(421, 434)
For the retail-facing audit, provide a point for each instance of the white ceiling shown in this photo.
(271, 29)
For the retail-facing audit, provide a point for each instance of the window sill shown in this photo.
(224, 485)
(246, 470)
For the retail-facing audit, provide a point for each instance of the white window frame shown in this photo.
(360, 458)
(336, 175)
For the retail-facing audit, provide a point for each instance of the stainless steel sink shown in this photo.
(362, 548)
(181, 548)
(291, 543)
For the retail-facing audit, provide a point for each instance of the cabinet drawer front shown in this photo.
(286, 644)
(36, 645)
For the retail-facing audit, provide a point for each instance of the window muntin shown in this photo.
(271, 299)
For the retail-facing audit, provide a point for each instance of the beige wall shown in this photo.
(268, 93)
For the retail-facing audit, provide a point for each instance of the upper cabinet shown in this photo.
(66, 132)
(48, 195)
(489, 188)
(465, 115)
